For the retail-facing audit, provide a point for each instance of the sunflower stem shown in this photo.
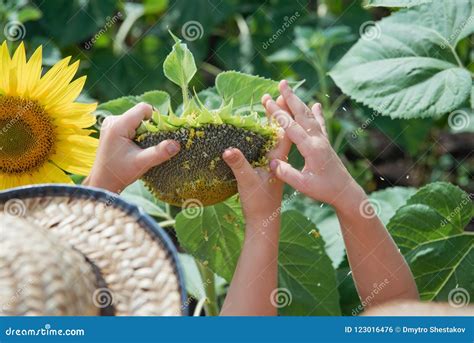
(208, 279)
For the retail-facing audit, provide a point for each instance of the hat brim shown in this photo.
(108, 198)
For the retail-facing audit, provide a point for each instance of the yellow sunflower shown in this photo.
(42, 129)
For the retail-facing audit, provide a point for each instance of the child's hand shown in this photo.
(323, 177)
(119, 161)
(260, 192)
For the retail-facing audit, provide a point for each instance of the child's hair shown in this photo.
(417, 308)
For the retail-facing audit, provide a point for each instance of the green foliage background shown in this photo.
(391, 91)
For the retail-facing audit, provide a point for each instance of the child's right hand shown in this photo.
(324, 176)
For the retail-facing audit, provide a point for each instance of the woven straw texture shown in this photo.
(139, 275)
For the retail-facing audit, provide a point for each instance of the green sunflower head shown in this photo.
(205, 125)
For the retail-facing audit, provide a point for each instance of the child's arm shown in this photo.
(255, 277)
(373, 256)
(119, 161)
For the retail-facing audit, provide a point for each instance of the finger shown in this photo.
(282, 147)
(286, 173)
(282, 103)
(318, 114)
(265, 99)
(155, 155)
(300, 111)
(243, 171)
(130, 120)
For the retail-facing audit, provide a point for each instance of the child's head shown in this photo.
(416, 308)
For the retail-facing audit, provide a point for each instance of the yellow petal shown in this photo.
(76, 154)
(4, 68)
(49, 82)
(49, 173)
(68, 95)
(19, 63)
(33, 69)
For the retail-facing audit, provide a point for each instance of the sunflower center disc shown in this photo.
(26, 135)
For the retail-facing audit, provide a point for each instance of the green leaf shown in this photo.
(154, 6)
(396, 3)
(138, 195)
(179, 65)
(386, 202)
(159, 99)
(404, 75)
(244, 89)
(305, 270)
(429, 230)
(193, 280)
(213, 234)
(28, 13)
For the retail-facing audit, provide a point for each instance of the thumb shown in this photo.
(243, 171)
(155, 155)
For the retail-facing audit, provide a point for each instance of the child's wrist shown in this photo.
(350, 200)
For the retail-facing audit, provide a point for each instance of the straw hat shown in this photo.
(73, 250)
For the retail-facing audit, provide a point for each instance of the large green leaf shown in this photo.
(214, 235)
(193, 279)
(305, 270)
(429, 230)
(158, 99)
(396, 3)
(138, 195)
(386, 202)
(244, 89)
(404, 75)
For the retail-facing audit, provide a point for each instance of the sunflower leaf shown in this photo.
(429, 229)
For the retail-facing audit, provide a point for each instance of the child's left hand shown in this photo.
(260, 192)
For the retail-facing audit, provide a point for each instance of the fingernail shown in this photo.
(229, 155)
(172, 147)
(273, 164)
